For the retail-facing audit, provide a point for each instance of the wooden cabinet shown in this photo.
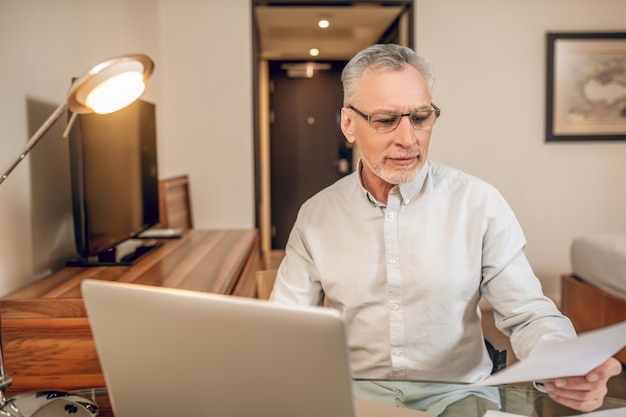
(46, 335)
(590, 308)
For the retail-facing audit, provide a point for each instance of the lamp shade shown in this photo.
(110, 85)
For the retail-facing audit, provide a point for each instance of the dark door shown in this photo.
(307, 149)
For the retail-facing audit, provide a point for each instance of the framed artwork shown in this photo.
(586, 86)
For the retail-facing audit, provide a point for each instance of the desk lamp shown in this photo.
(109, 86)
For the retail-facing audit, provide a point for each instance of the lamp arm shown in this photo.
(34, 139)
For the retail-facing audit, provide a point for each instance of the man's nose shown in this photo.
(405, 133)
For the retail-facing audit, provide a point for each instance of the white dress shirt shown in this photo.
(407, 277)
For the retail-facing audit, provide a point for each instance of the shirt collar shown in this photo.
(408, 190)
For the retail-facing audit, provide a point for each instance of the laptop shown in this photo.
(167, 352)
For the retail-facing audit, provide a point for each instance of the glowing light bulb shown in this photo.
(323, 23)
(314, 52)
(116, 92)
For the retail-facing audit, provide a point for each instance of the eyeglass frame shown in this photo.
(368, 117)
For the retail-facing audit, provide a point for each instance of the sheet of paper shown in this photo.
(616, 412)
(564, 358)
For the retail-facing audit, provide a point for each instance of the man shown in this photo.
(405, 247)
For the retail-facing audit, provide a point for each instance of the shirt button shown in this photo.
(395, 353)
(395, 307)
(391, 215)
(392, 261)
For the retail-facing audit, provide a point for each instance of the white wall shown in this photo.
(206, 107)
(489, 58)
(201, 85)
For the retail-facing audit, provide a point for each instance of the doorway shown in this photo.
(299, 147)
(307, 148)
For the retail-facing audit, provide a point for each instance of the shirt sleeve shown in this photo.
(509, 285)
(297, 281)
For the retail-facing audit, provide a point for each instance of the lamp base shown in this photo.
(48, 404)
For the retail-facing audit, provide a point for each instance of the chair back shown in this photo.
(265, 283)
(175, 203)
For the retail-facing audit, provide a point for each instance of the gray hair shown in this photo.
(386, 56)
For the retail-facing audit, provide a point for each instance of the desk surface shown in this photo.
(202, 260)
(452, 400)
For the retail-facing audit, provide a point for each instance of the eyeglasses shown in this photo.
(388, 122)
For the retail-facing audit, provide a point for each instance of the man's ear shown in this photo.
(347, 125)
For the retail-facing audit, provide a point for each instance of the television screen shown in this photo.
(114, 178)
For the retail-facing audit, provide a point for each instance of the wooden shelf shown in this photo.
(45, 331)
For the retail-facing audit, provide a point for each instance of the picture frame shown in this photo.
(586, 86)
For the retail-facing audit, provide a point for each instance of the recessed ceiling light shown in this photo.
(314, 52)
(323, 23)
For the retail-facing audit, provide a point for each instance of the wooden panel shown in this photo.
(246, 285)
(615, 309)
(46, 335)
(590, 308)
(45, 353)
(584, 305)
(265, 283)
(175, 203)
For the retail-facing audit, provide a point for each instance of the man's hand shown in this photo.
(584, 393)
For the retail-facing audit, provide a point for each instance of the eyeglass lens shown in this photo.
(386, 122)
